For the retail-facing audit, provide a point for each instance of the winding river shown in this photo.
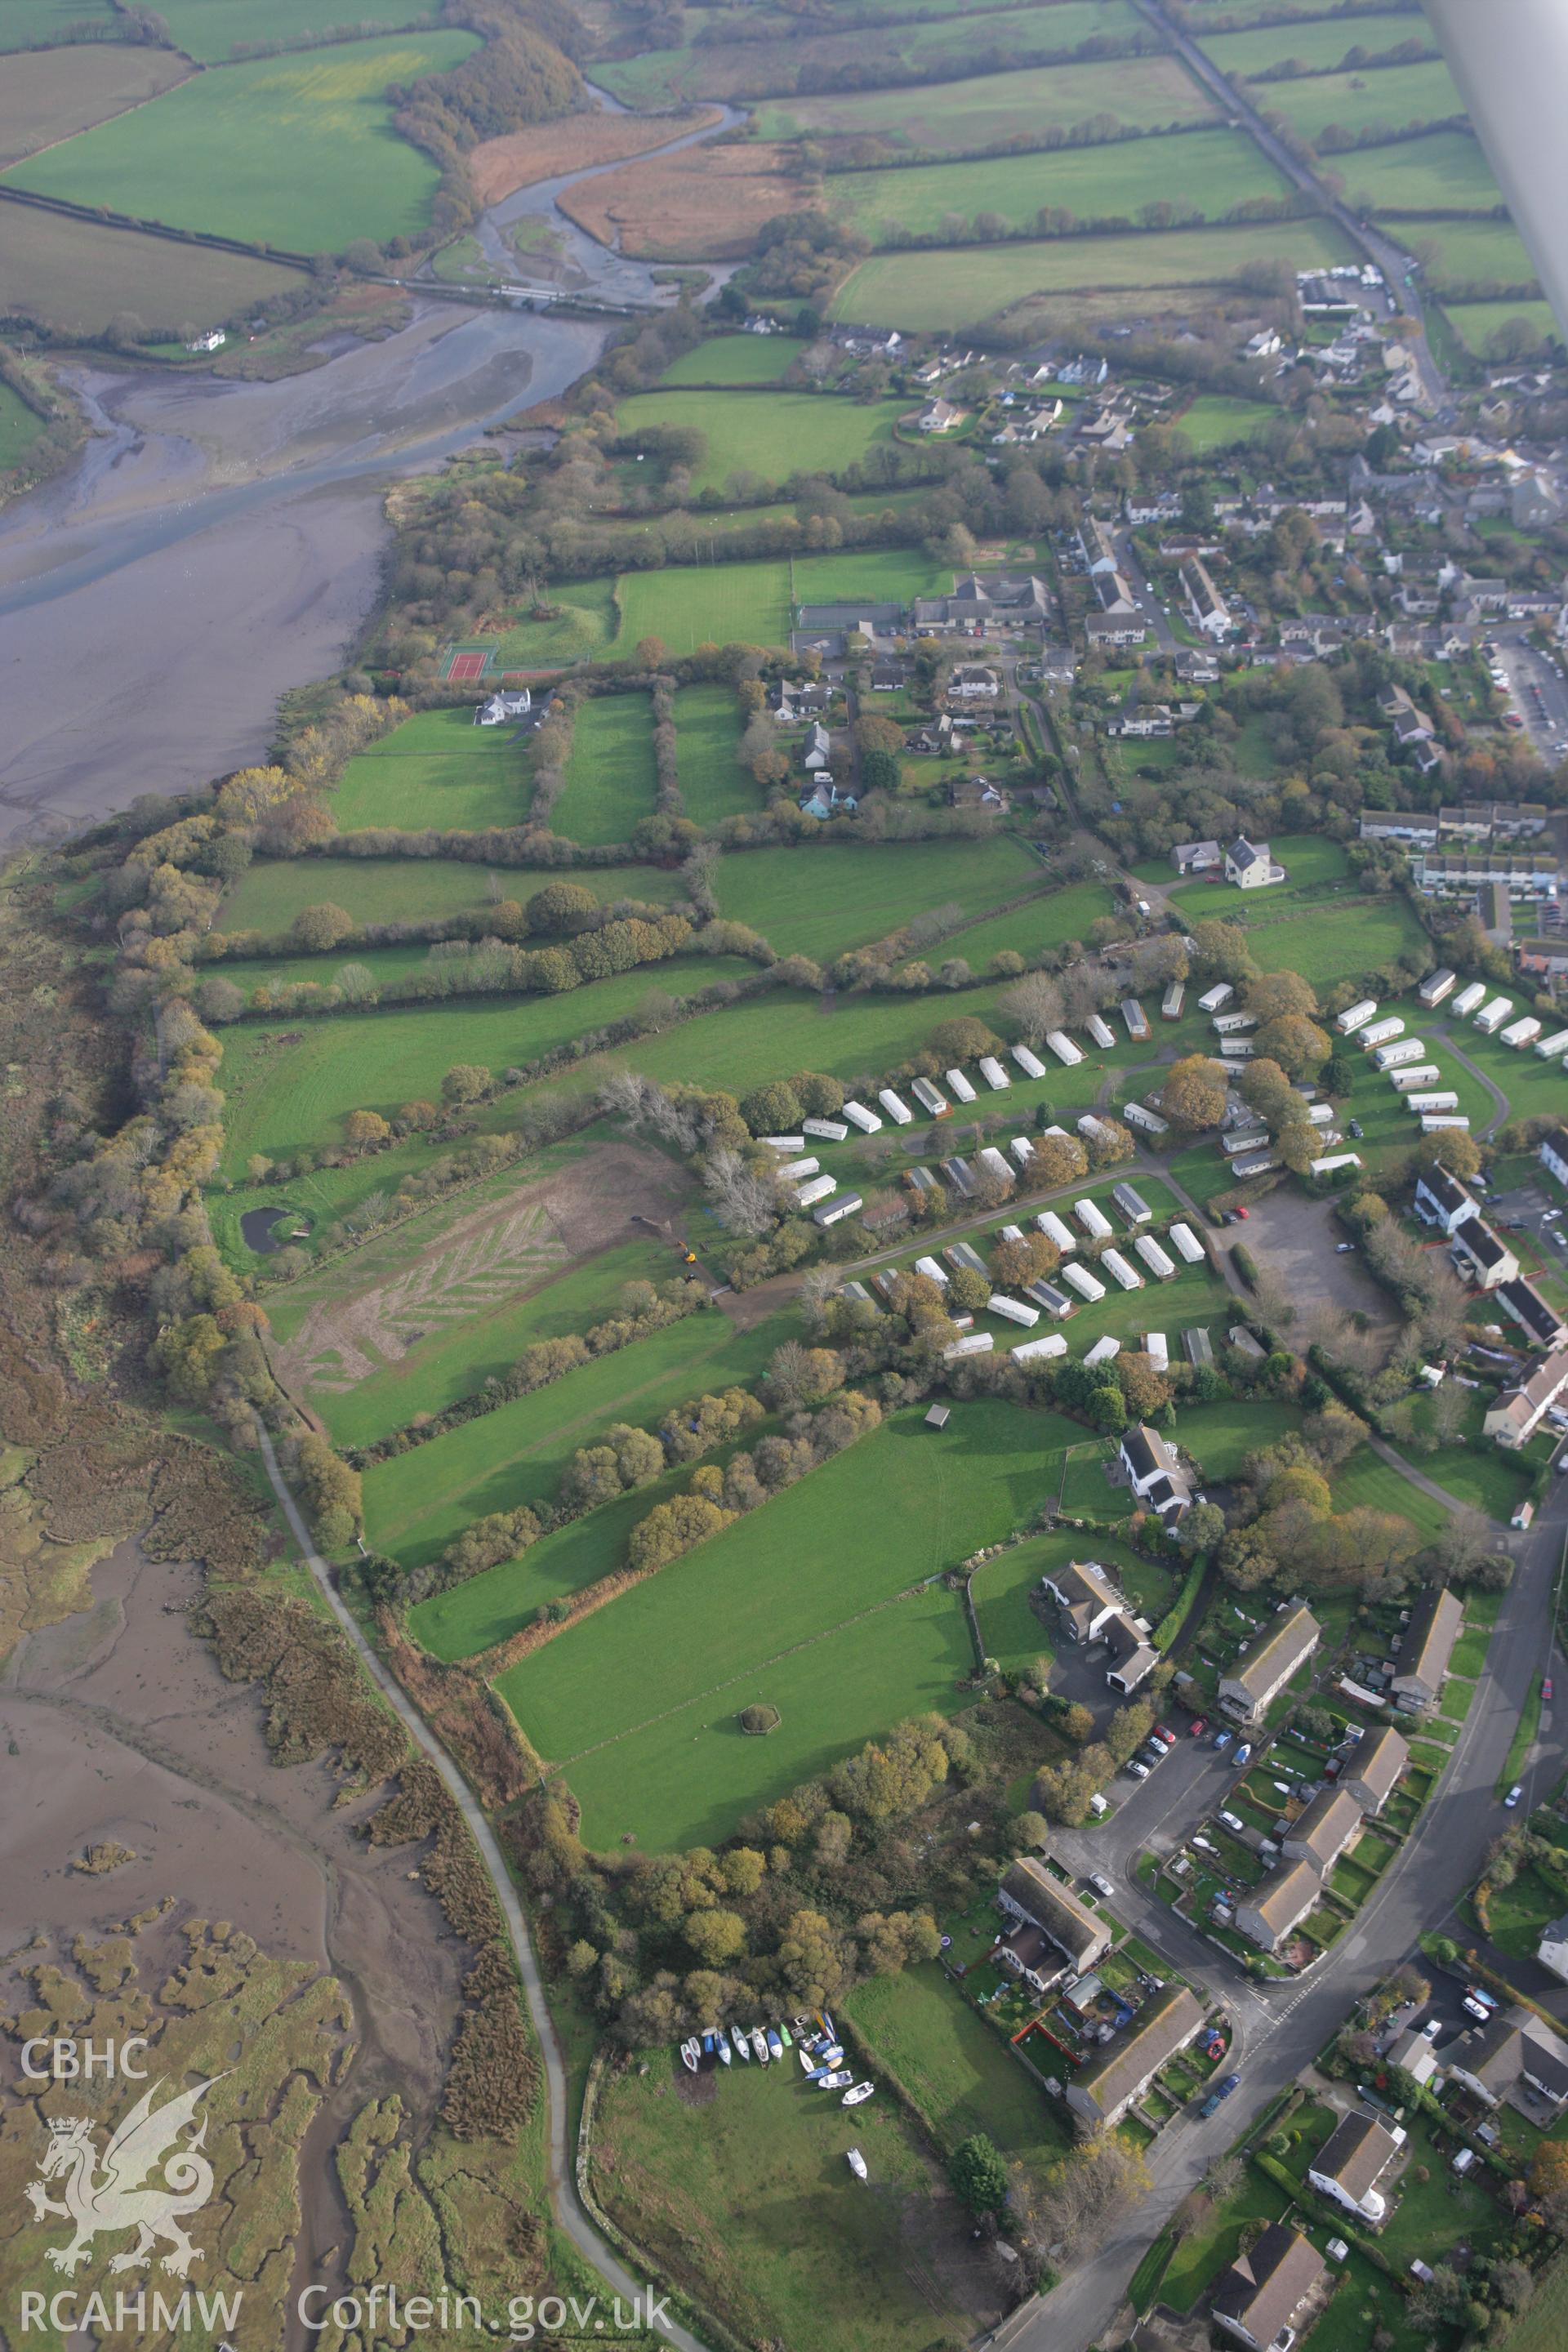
(219, 542)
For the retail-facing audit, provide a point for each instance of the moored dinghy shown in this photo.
(740, 2043)
(837, 2081)
(689, 2054)
(759, 2046)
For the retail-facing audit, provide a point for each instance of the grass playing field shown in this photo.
(1391, 97)
(1214, 421)
(708, 726)
(1149, 93)
(437, 770)
(296, 152)
(763, 1611)
(1320, 44)
(1214, 169)
(927, 291)
(212, 29)
(269, 895)
(1447, 169)
(771, 435)
(736, 359)
(611, 781)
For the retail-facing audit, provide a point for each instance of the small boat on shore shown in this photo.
(855, 2162)
(759, 2047)
(861, 2091)
(740, 2043)
(689, 2054)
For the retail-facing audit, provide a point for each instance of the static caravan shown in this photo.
(1521, 1034)
(1247, 1139)
(858, 1290)
(1435, 1121)
(932, 1271)
(994, 1075)
(1357, 1016)
(1403, 1049)
(1186, 1244)
(827, 1130)
(1471, 998)
(1260, 1164)
(1216, 999)
(1093, 1220)
(1139, 1115)
(1028, 1061)
(926, 1094)
(898, 1111)
(1443, 1100)
(965, 1254)
(1062, 1046)
(1057, 1229)
(996, 1162)
(1553, 1048)
(1089, 1125)
(1133, 1206)
(785, 1144)
(831, 1212)
(1197, 1347)
(1101, 1352)
(1079, 1278)
(1100, 1030)
(1012, 1310)
(1172, 1002)
(1023, 1152)
(974, 1343)
(1157, 1347)
(1046, 1294)
(1322, 1115)
(1116, 1266)
(1334, 1159)
(1436, 987)
(1491, 1017)
(859, 1116)
(1029, 1351)
(919, 1180)
(1414, 1076)
(816, 1188)
(1137, 1020)
(1380, 1033)
(1236, 1049)
(1232, 1025)
(959, 1176)
(794, 1170)
(1153, 1257)
(960, 1088)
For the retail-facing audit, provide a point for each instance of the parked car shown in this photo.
(1234, 1821)
(1355, 1128)
(1167, 1737)
(1244, 1214)
(1243, 1753)
(1514, 1795)
(1546, 1687)
(1138, 1772)
(1200, 1725)
(1344, 1249)
(1488, 1999)
(1474, 2008)
(1211, 2104)
(1223, 1738)
(1101, 1884)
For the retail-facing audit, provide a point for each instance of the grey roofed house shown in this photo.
(1442, 1199)
(1029, 1891)
(1134, 1658)
(1010, 600)
(1280, 1905)
(872, 620)
(1436, 1624)
(1517, 1414)
(1321, 1834)
(1115, 595)
(1505, 2055)
(1192, 856)
(1370, 1773)
(1540, 1322)
(1027, 1953)
(818, 751)
(1414, 2053)
(1351, 2161)
(1260, 2298)
(1552, 1949)
(1488, 1254)
(1266, 1665)
(1102, 2091)
(1085, 1595)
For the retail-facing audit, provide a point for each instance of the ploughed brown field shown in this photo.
(501, 165)
(706, 203)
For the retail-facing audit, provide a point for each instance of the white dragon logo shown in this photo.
(114, 2197)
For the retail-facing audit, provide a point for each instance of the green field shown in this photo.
(1145, 93)
(1215, 169)
(34, 24)
(736, 359)
(268, 896)
(747, 2203)
(1047, 922)
(951, 287)
(289, 1098)
(386, 966)
(415, 1503)
(1476, 323)
(1013, 1634)
(957, 2069)
(763, 1611)
(1214, 421)
(1320, 44)
(208, 30)
(1447, 169)
(438, 770)
(771, 435)
(19, 428)
(713, 784)
(716, 603)
(583, 627)
(1368, 1482)
(299, 151)
(1463, 253)
(1390, 98)
(611, 781)
(817, 902)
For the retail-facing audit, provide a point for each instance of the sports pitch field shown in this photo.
(1214, 168)
(611, 781)
(437, 770)
(633, 1700)
(770, 435)
(954, 287)
(1147, 93)
(295, 151)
